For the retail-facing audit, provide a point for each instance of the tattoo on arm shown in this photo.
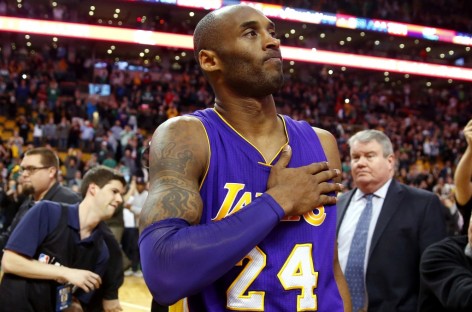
(172, 193)
(177, 163)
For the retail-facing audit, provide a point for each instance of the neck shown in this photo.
(249, 116)
(40, 196)
(88, 220)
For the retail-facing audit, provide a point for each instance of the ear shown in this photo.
(92, 189)
(391, 161)
(53, 172)
(209, 61)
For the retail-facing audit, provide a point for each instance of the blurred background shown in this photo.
(93, 80)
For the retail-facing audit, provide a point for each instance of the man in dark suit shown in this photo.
(392, 222)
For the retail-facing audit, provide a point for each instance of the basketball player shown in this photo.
(241, 210)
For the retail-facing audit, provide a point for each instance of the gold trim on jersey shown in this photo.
(276, 154)
(209, 155)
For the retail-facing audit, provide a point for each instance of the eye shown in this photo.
(251, 33)
(273, 34)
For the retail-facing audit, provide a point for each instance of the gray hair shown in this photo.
(366, 136)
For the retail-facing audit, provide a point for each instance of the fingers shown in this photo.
(322, 172)
(285, 157)
(92, 281)
(329, 187)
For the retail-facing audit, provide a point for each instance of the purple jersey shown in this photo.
(292, 268)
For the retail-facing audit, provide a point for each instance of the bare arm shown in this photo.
(332, 154)
(177, 160)
(20, 265)
(330, 147)
(463, 173)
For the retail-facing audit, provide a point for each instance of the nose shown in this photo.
(119, 198)
(362, 161)
(271, 42)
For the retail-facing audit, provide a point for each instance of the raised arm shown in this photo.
(463, 173)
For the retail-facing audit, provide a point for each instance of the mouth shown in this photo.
(275, 56)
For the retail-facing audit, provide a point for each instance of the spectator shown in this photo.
(63, 129)
(137, 196)
(39, 170)
(463, 179)
(56, 247)
(87, 134)
(50, 133)
(446, 275)
(380, 245)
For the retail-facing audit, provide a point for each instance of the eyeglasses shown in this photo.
(31, 169)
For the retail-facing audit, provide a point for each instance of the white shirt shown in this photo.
(131, 216)
(351, 217)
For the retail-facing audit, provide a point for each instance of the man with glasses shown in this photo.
(39, 169)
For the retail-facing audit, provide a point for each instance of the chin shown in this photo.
(361, 181)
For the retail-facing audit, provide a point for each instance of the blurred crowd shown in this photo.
(444, 14)
(47, 96)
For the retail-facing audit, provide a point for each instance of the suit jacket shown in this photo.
(446, 277)
(410, 220)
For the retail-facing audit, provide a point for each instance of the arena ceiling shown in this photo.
(159, 17)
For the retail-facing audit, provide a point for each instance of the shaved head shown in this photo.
(207, 35)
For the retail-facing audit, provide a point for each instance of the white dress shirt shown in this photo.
(351, 217)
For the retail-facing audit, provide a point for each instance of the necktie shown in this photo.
(355, 262)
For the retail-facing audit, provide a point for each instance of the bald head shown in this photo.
(207, 34)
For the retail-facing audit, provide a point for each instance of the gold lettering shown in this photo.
(228, 202)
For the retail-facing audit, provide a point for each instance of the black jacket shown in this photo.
(57, 193)
(446, 277)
